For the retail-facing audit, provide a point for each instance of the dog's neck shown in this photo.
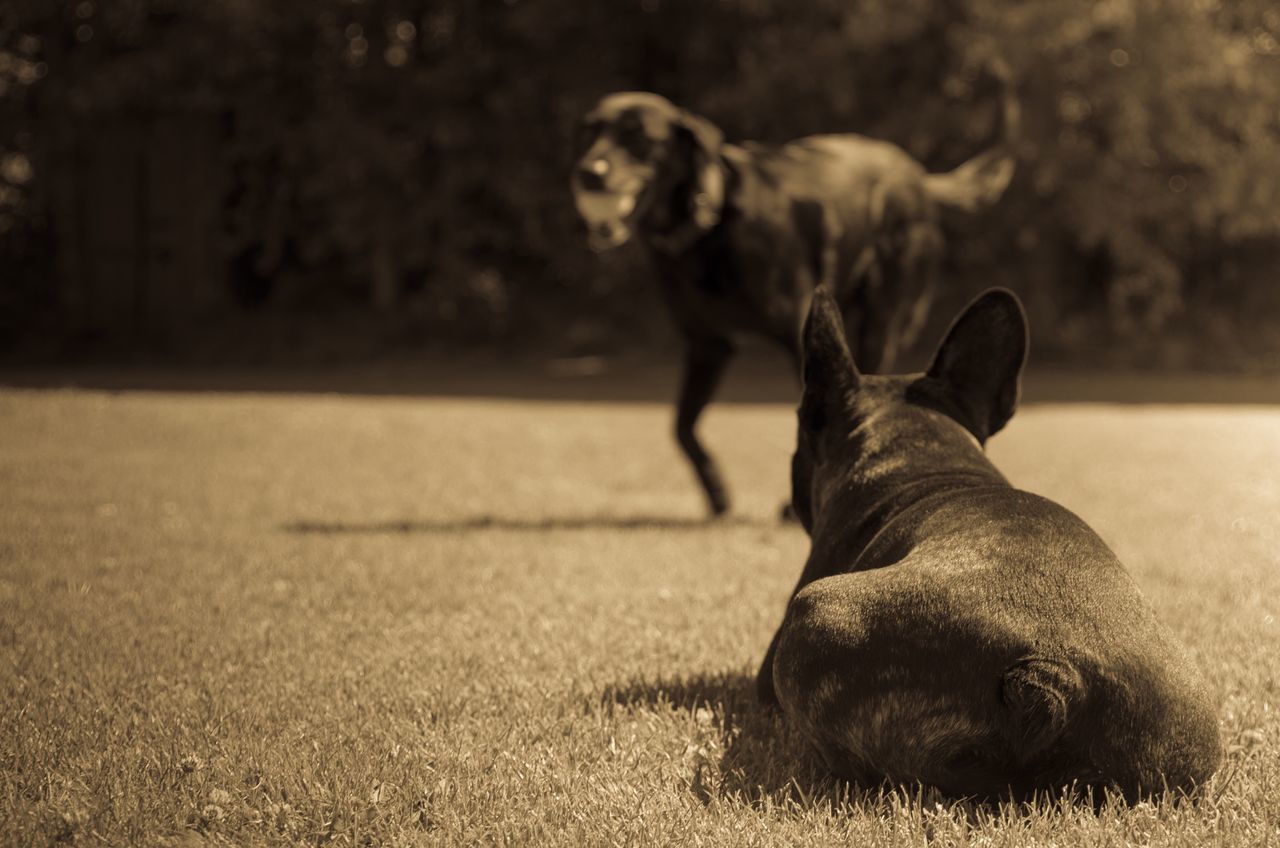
(897, 469)
(670, 229)
(677, 240)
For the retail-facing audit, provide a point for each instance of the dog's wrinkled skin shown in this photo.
(951, 629)
(740, 235)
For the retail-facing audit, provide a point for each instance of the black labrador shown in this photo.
(741, 234)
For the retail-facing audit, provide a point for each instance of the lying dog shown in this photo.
(740, 235)
(951, 629)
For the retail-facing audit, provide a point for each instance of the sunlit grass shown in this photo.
(287, 619)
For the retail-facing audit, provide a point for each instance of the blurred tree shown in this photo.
(1167, 133)
(416, 152)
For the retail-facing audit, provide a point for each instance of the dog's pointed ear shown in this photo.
(706, 201)
(980, 361)
(829, 373)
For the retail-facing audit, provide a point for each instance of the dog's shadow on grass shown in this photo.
(740, 749)
(488, 522)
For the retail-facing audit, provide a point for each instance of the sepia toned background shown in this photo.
(339, 502)
(328, 180)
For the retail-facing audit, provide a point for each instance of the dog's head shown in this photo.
(640, 152)
(846, 417)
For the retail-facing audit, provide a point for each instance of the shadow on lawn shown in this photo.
(743, 751)
(475, 523)
(759, 757)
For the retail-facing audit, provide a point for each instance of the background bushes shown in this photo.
(409, 159)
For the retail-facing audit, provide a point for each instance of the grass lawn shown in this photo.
(275, 618)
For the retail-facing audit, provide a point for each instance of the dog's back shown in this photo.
(869, 188)
(1006, 649)
(834, 166)
(954, 630)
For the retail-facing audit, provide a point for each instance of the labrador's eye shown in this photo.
(635, 141)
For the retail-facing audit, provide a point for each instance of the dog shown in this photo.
(953, 630)
(740, 234)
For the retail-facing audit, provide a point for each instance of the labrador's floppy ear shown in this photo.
(829, 373)
(980, 361)
(706, 201)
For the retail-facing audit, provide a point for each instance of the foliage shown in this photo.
(419, 149)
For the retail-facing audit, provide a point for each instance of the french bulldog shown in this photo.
(949, 629)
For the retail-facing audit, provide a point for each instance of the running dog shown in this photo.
(741, 234)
